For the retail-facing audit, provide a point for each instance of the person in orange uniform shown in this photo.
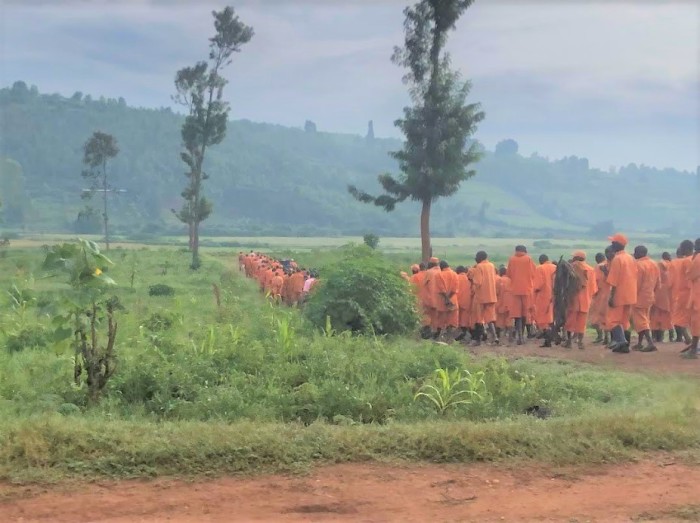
(544, 310)
(417, 280)
(464, 302)
(484, 282)
(595, 318)
(648, 277)
(660, 314)
(276, 286)
(521, 271)
(680, 315)
(693, 276)
(296, 287)
(504, 324)
(446, 299)
(577, 314)
(622, 279)
(430, 291)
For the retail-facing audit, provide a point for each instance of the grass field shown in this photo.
(245, 386)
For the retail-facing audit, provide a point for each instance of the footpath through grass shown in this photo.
(241, 386)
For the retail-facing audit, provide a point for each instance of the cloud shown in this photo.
(570, 74)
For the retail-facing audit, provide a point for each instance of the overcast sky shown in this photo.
(616, 82)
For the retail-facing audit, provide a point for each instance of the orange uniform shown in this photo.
(464, 300)
(429, 293)
(680, 314)
(296, 287)
(276, 286)
(647, 284)
(660, 315)
(417, 281)
(622, 276)
(484, 281)
(693, 276)
(544, 284)
(504, 295)
(447, 287)
(521, 271)
(577, 314)
(599, 304)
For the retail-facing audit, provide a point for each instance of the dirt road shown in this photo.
(657, 489)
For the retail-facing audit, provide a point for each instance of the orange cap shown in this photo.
(579, 254)
(434, 260)
(619, 238)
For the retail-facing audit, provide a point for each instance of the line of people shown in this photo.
(283, 280)
(556, 302)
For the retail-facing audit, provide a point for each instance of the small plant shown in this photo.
(159, 321)
(34, 337)
(450, 388)
(286, 335)
(161, 289)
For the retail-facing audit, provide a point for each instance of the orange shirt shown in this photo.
(647, 282)
(484, 281)
(584, 297)
(521, 271)
(464, 291)
(276, 285)
(544, 283)
(693, 276)
(416, 281)
(503, 294)
(662, 296)
(446, 283)
(296, 283)
(623, 276)
(430, 287)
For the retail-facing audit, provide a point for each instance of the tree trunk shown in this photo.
(195, 245)
(104, 201)
(191, 235)
(426, 249)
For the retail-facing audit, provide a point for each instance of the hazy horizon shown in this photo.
(615, 83)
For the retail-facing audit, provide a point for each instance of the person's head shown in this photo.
(543, 258)
(697, 245)
(481, 256)
(578, 256)
(460, 269)
(678, 252)
(619, 242)
(609, 253)
(502, 270)
(432, 264)
(415, 268)
(444, 265)
(421, 266)
(686, 247)
(599, 257)
(640, 251)
(521, 248)
(666, 256)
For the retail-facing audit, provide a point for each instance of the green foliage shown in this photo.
(35, 337)
(363, 293)
(161, 289)
(450, 388)
(371, 240)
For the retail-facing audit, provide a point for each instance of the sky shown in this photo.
(615, 82)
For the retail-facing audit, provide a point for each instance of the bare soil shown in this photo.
(657, 489)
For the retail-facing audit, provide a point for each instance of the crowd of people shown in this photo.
(282, 280)
(556, 301)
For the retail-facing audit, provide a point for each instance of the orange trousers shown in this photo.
(576, 321)
(640, 319)
(486, 313)
(660, 320)
(618, 316)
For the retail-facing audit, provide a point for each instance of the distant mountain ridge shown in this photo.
(272, 180)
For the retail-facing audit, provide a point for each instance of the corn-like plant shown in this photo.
(286, 335)
(450, 388)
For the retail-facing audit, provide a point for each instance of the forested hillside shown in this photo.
(272, 180)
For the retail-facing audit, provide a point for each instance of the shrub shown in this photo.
(363, 293)
(371, 240)
(161, 289)
(160, 321)
(34, 337)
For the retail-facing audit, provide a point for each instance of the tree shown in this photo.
(309, 126)
(370, 131)
(12, 192)
(97, 151)
(507, 147)
(200, 89)
(435, 158)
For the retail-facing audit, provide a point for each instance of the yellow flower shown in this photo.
(97, 272)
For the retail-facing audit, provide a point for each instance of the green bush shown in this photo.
(371, 240)
(363, 293)
(34, 337)
(161, 289)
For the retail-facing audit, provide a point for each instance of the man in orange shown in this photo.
(648, 277)
(622, 279)
(544, 310)
(680, 315)
(521, 271)
(660, 314)
(296, 287)
(693, 276)
(596, 314)
(446, 299)
(577, 314)
(417, 281)
(430, 291)
(484, 281)
(464, 302)
(504, 324)
(276, 286)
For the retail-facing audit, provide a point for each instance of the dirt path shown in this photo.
(666, 361)
(656, 489)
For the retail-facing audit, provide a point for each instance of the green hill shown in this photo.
(273, 180)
